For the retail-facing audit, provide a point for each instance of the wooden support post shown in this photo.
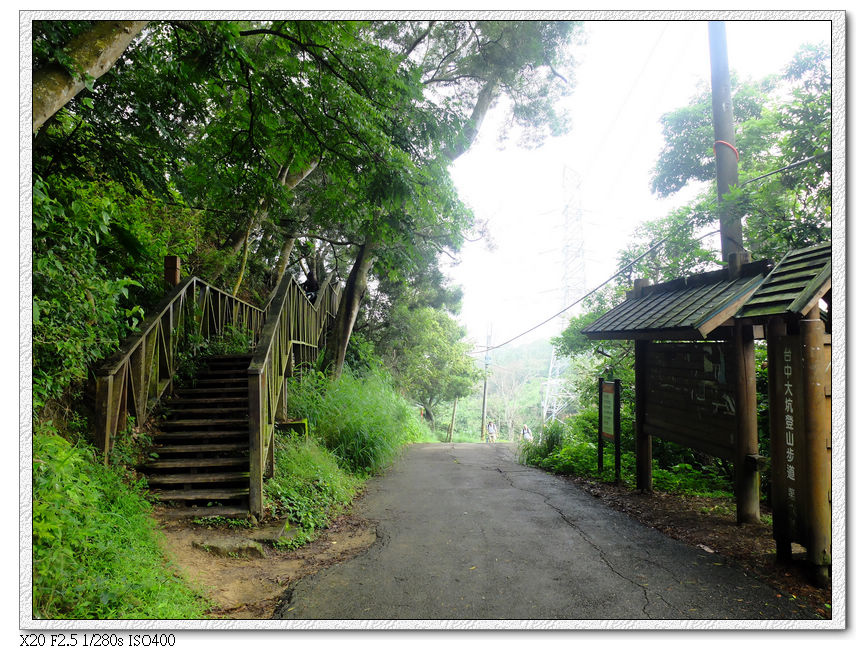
(617, 426)
(735, 261)
(780, 520)
(600, 425)
(257, 392)
(747, 475)
(281, 414)
(172, 270)
(644, 441)
(102, 418)
(818, 445)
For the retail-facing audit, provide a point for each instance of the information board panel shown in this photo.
(608, 400)
(690, 395)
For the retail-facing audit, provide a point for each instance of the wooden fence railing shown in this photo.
(131, 382)
(290, 341)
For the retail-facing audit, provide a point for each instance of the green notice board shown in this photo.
(608, 398)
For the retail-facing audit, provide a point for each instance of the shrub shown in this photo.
(97, 266)
(95, 548)
(544, 444)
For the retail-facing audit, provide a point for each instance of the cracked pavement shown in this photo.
(464, 532)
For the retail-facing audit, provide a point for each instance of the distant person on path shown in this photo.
(491, 431)
(527, 433)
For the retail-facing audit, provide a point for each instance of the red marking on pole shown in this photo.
(717, 142)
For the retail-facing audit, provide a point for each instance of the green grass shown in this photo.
(360, 418)
(95, 548)
(309, 486)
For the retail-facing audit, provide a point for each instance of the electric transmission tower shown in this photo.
(556, 393)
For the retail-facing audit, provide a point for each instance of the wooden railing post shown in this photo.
(256, 469)
(171, 267)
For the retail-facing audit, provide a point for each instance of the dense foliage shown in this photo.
(96, 553)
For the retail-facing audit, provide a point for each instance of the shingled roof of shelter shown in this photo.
(686, 308)
(794, 286)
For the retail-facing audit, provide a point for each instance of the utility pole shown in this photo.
(735, 255)
(726, 154)
(486, 367)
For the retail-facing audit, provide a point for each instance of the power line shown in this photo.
(792, 166)
(576, 302)
(652, 248)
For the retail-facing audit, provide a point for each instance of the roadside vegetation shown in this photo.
(357, 425)
(572, 448)
(95, 546)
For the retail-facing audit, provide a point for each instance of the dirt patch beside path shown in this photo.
(710, 524)
(251, 587)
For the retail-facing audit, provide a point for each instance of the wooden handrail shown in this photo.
(290, 340)
(133, 379)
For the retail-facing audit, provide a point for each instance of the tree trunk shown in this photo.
(284, 256)
(471, 128)
(349, 304)
(289, 182)
(243, 261)
(93, 52)
(430, 415)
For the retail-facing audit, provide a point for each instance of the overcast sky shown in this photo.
(630, 74)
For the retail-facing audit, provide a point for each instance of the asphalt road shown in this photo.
(464, 532)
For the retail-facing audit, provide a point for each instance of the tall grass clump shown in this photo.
(96, 553)
(360, 418)
(544, 445)
(308, 486)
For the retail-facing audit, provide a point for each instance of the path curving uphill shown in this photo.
(464, 532)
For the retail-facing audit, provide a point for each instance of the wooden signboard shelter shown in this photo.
(799, 344)
(694, 369)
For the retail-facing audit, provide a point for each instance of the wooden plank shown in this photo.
(730, 303)
(777, 288)
(200, 463)
(778, 299)
(199, 449)
(200, 495)
(205, 477)
(708, 424)
(686, 439)
(812, 293)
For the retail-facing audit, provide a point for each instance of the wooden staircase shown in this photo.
(199, 462)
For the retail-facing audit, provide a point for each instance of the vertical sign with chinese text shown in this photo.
(787, 427)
